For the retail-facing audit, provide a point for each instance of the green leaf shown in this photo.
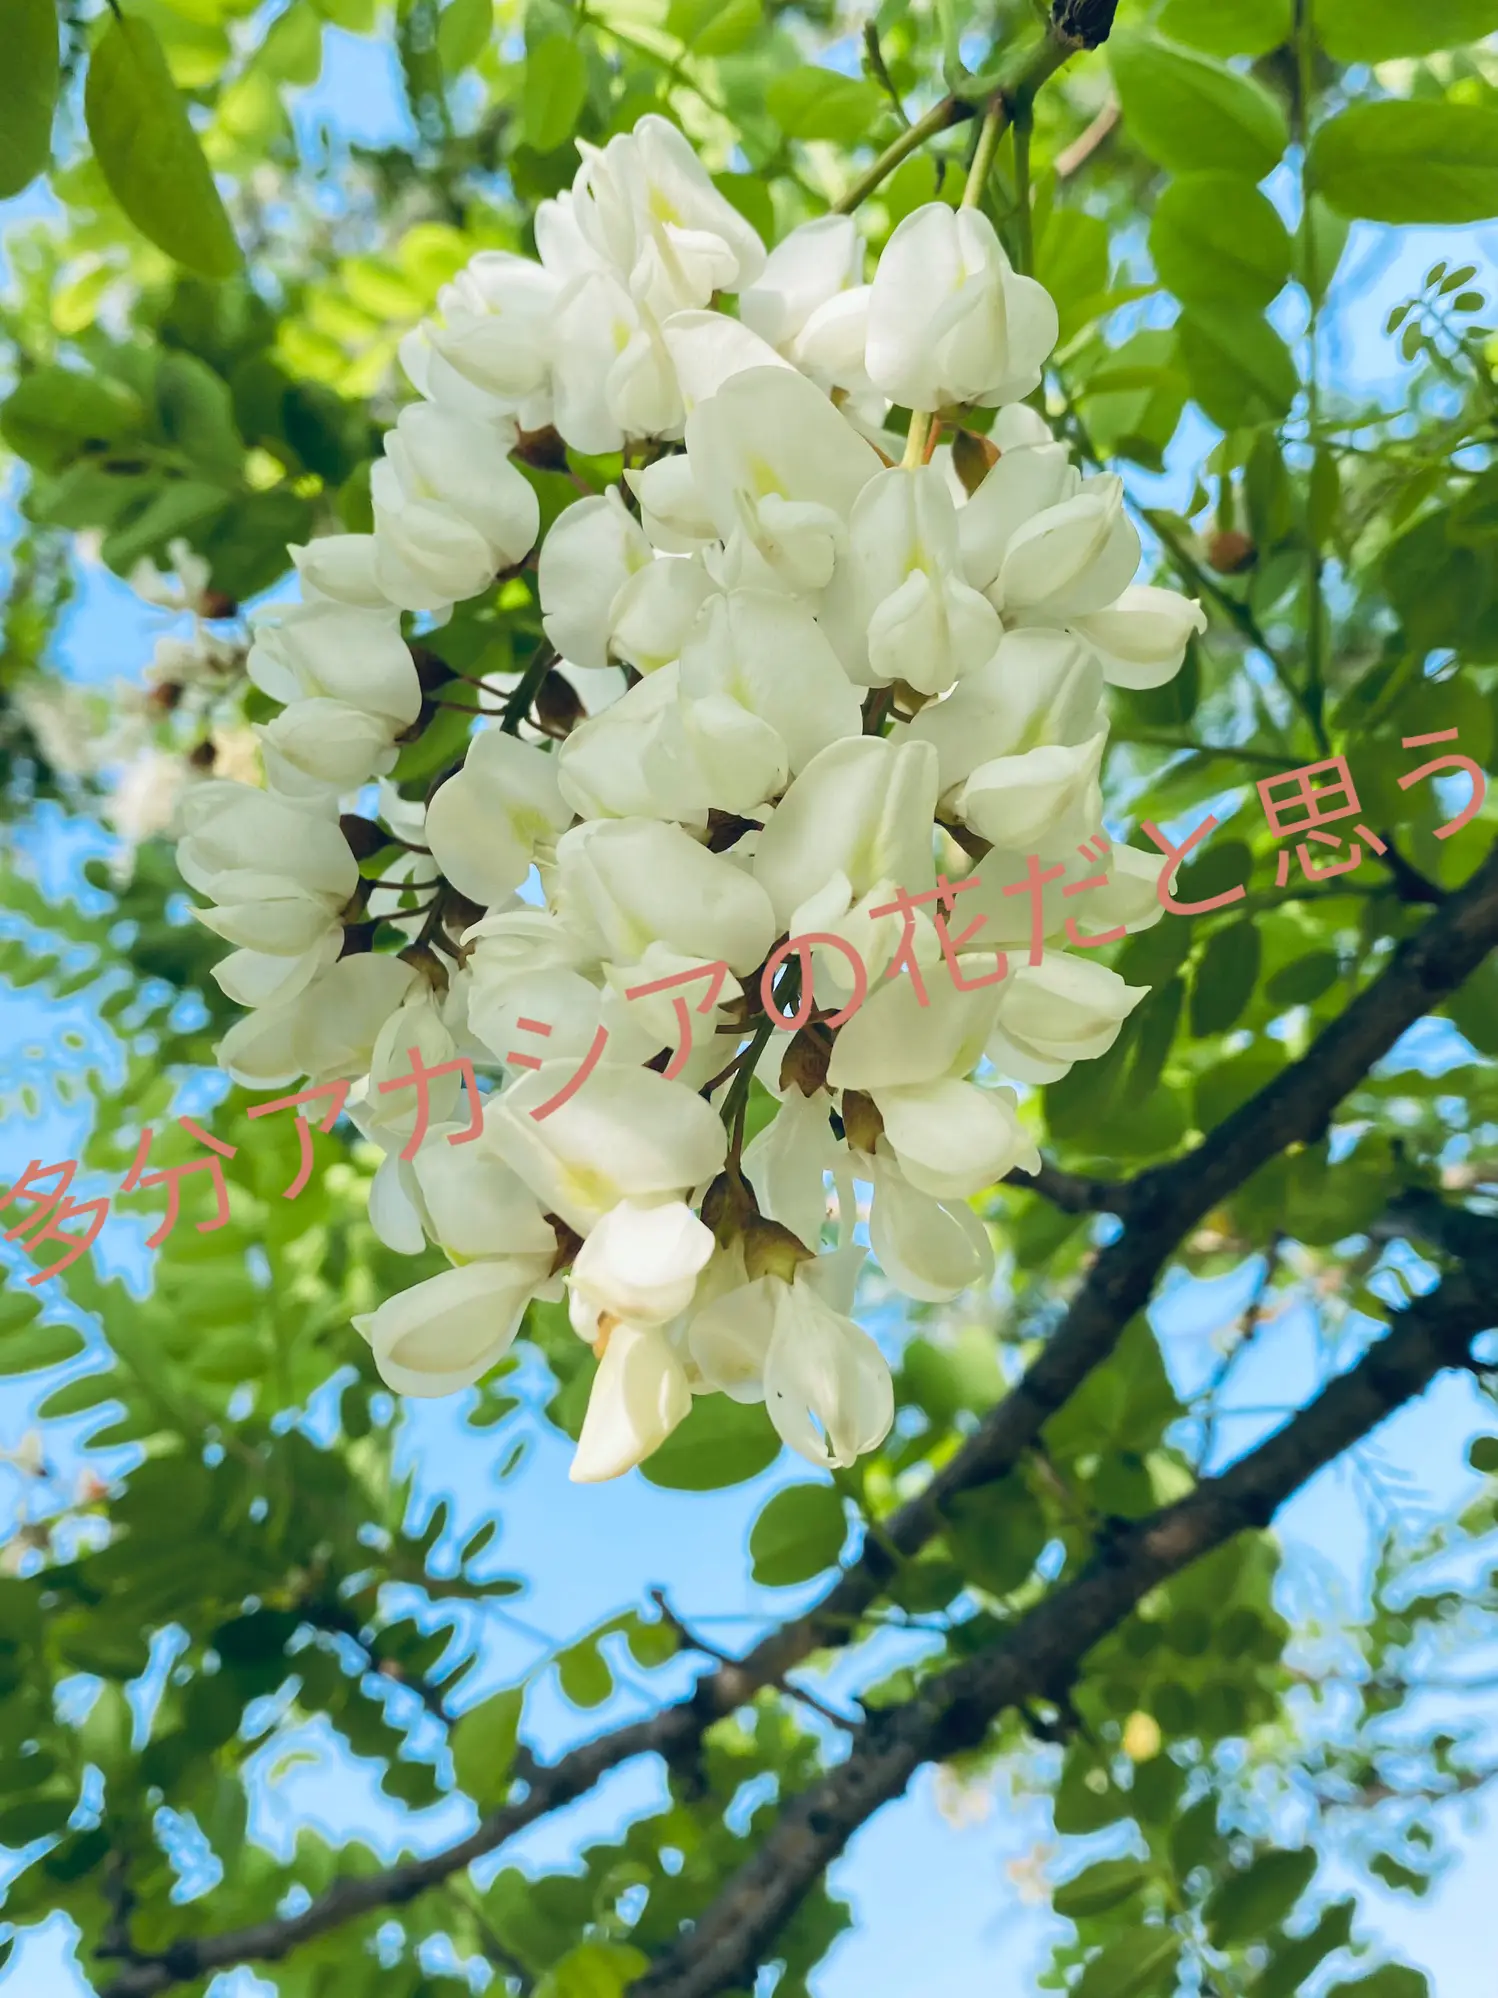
(816, 103)
(54, 414)
(1225, 978)
(997, 1533)
(714, 27)
(28, 92)
(722, 1442)
(1482, 1454)
(39, 1346)
(1100, 1888)
(1240, 370)
(149, 153)
(292, 49)
(1217, 241)
(1409, 161)
(556, 83)
(1248, 1905)
(1380, 30)
(1189, 113)
(1390, 1980)
(1303, 980)
(483, 1745)
(593, 1970)
(463, 31)
(1229, 27)
(584, 1674)
(797, 1535)
(1140, 1961)
(1293, 1962)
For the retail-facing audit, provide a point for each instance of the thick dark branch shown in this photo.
(1045, 1652)
(1158, 1209)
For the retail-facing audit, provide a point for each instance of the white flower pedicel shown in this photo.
(847, 676)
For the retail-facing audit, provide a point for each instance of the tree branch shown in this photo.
(1044, 1652)
(1158, 1208)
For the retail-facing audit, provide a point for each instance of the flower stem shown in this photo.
(938, 119)
(996, 118)
(916, 439)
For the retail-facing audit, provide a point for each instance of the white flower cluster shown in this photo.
(851, 683)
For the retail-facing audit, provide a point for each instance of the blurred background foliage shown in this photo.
(227, 1542)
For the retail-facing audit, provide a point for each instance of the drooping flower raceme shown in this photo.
(784, 784)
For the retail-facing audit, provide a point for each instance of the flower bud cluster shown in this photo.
(831, 673)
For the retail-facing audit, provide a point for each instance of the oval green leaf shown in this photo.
(1381, 30)
(1225, 978)
(1409, 161)
(28, 92)
(1217, 241)
(463, 31)
(483, 1745)
(1139, 1961)
(149, 153)
(799, 1534)
(1191, 114)
(1229, 27)
(1240, 370)
(722, 1442)
(1100, 1888)
(1249, 1904)
(556, 82)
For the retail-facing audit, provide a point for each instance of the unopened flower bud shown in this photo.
(1230, 552)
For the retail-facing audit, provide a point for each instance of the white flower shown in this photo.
(644, 203)
(656, 608)
(627, 1134)
(827, 1385)
(861, 808)
(497, 315)
(279, 875)
(672, 510)
(1063, 1010)
(327, 1029)
(640, 1264)
(776, 464)
(485, 824)
(950, 321)
(342, 568)
(322, 748)
(155, 587)
(1075, 558)
(1141, 639)
(1039, 688)
(586, 559)
(617, 765)
(1031, 476)
(444, 1334)
(929, 1248)
(708, 348)
(912, 615)
(462, 1196)
(953, 1138)
(639, 1394)
(810, 304)
(324, 649)
(612, 378)
(1042, 797)
(450, 509)
(634, 882)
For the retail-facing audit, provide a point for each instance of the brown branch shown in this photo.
(1158, 1208)
(1045, 1652)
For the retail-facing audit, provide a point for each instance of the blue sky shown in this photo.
(935, 1907)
